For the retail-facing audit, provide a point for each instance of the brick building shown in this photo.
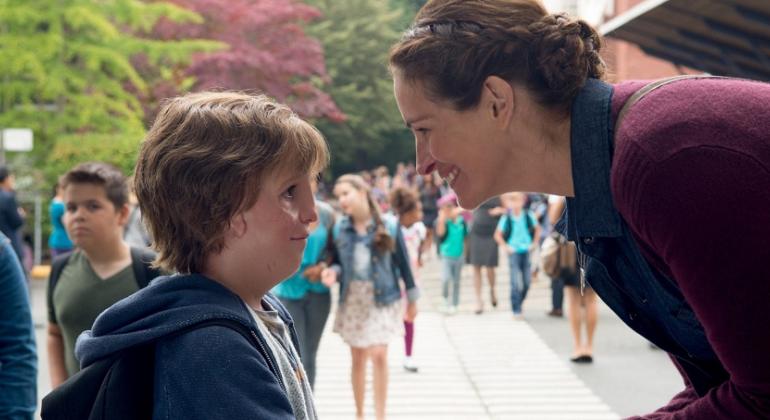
(626, 61)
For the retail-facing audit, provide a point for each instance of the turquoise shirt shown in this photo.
(58, 238)
(520, 239)
(297, 286)
(453, 244)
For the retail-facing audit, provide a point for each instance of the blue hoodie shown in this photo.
(207, 373)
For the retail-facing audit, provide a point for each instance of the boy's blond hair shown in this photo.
(204, 161)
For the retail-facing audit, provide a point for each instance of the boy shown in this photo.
(517, 232)
(451, 232)
(223, 181)
(102, 271)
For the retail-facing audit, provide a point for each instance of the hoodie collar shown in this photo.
(169, 304)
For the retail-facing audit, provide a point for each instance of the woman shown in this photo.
(483, 251)
(502, 96)
(370, 259)
(583, 307)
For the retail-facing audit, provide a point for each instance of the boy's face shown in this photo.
(91, 220)
(513, 201)
(270, 236)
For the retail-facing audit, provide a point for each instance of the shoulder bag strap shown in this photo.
(651, 87)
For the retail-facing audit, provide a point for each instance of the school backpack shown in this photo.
(120, 386)
(508, 226)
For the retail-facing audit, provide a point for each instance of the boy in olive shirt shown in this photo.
(103, 269)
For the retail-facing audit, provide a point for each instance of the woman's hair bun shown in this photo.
(565, 52)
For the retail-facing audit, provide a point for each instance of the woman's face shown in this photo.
(459, 145)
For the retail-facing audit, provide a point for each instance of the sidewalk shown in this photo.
(472, 366)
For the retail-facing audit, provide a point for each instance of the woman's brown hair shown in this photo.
(203, 162)
(382, 241)
(454, 45)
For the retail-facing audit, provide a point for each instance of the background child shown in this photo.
(406, 204)
(103, 270)
(517, 232)
(370, 251)
(223, 181)
(451, 231)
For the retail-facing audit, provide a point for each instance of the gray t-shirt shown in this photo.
(279, 342)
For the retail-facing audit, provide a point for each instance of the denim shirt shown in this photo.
(386, 268)
(612, 263)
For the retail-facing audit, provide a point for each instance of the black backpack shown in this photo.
(120, 387)
(508, 226)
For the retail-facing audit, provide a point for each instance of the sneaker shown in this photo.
(409, 365)
(452, 310)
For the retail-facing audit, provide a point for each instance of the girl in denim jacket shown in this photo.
(370, 259)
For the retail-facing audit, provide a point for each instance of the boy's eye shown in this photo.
(289, 193)
(71, 208)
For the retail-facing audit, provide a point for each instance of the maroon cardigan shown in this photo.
(691, 177)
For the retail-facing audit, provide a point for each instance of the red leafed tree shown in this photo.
(268, 51)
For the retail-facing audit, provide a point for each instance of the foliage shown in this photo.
(268, 51)
(356, 36)
(67, 72)
(409, 9)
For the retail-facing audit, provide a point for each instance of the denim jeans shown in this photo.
(309, 314)
(450, 273)
(557, 293)
(520, 279)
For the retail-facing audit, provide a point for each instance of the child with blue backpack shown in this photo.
(370, 260)
(517, 232)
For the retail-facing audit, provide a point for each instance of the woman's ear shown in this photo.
(498, 96)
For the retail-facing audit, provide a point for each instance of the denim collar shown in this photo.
(591, 212)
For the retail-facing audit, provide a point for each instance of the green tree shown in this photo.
(409, 9)
(356, 36)
(67, 74)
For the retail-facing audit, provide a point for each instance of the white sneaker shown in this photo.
(410, 365)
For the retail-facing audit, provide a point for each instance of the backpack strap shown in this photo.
(636, 97)
(57, 266)
(141, 264)
(528, 216)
